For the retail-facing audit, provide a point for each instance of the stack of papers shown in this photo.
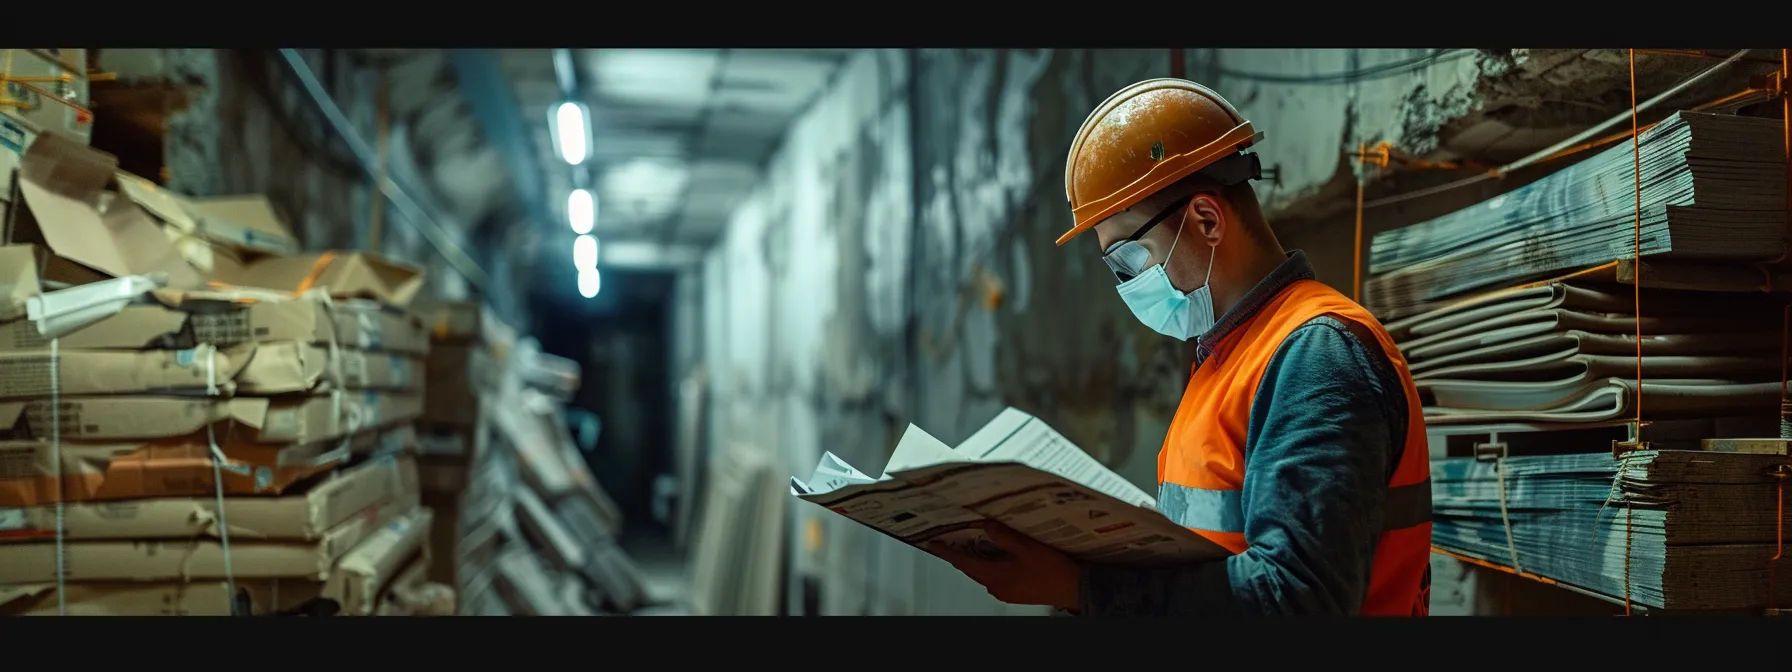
(1701, 531)
(1714, 189)
(1566, 353)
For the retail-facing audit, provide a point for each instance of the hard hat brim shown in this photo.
(1165, 173)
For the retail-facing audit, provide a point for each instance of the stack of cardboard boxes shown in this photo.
(196, 419)
(463, 480)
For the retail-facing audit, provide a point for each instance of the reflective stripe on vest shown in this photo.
(1200, 471)
(1223, 510)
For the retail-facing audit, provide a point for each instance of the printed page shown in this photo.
(919, 449)
(1015, 436)
(831, 474)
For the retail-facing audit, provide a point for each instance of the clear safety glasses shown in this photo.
(1128, 258)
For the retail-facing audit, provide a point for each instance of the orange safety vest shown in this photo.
(1200, 471)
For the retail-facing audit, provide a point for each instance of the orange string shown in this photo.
(1356, 282)
(317, 271)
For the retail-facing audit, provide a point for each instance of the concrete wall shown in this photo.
(896, 265)
(248, 127)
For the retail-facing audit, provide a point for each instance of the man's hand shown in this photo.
(1033, 573)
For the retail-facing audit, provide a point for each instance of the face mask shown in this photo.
(1167, 311)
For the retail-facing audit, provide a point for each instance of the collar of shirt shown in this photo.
(1296, 268)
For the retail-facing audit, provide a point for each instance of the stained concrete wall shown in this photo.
(896, 264)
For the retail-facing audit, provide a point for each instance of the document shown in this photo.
(1018, 472)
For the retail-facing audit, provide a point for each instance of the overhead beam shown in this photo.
(500, 116)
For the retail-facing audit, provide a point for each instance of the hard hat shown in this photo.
(1146, 137)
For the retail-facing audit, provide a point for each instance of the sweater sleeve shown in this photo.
(1326, 431)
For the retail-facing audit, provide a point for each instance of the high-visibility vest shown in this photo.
(1200, 471)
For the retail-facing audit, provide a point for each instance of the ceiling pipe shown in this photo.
(413, 211)
(566, 73)
(494, 104)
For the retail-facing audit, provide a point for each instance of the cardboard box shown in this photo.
(304, 516)
(269, 369)
(448, 442)
(450, 476)
(62, 186)
(360, 577)
(353, 275)
(153, 560)
(444, 536)
(188, 319)
(453, 321)
(177, 467)
(51, 88)
(257, 419)
(163, 598)
(459, 375)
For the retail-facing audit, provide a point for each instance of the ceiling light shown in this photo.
(581, 211)
(589, 282)
(572, 132)
(584, 253)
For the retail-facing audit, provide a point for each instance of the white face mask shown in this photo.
(1157, 303)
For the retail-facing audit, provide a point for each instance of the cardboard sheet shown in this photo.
(281, 368)
(244, 222)
(187, 319)
(160, 598)
(360, 578)
(62, 183)
(528, 587)
(304, 516)
(35, 562)
(259, 419)
(356, 275)
(413, 594)
(177, 467)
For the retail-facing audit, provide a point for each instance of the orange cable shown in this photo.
(1636, 150)
(1356, 268)
(1779, 534)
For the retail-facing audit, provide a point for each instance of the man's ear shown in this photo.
(1209, 218)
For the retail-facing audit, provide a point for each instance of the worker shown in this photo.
(1298, 446)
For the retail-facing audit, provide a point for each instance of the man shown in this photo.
(1299, 444)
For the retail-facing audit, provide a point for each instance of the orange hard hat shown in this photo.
(1143, 138)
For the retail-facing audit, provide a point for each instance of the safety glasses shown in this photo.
(1128, 258)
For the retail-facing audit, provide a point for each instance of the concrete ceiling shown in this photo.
(680, 135)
